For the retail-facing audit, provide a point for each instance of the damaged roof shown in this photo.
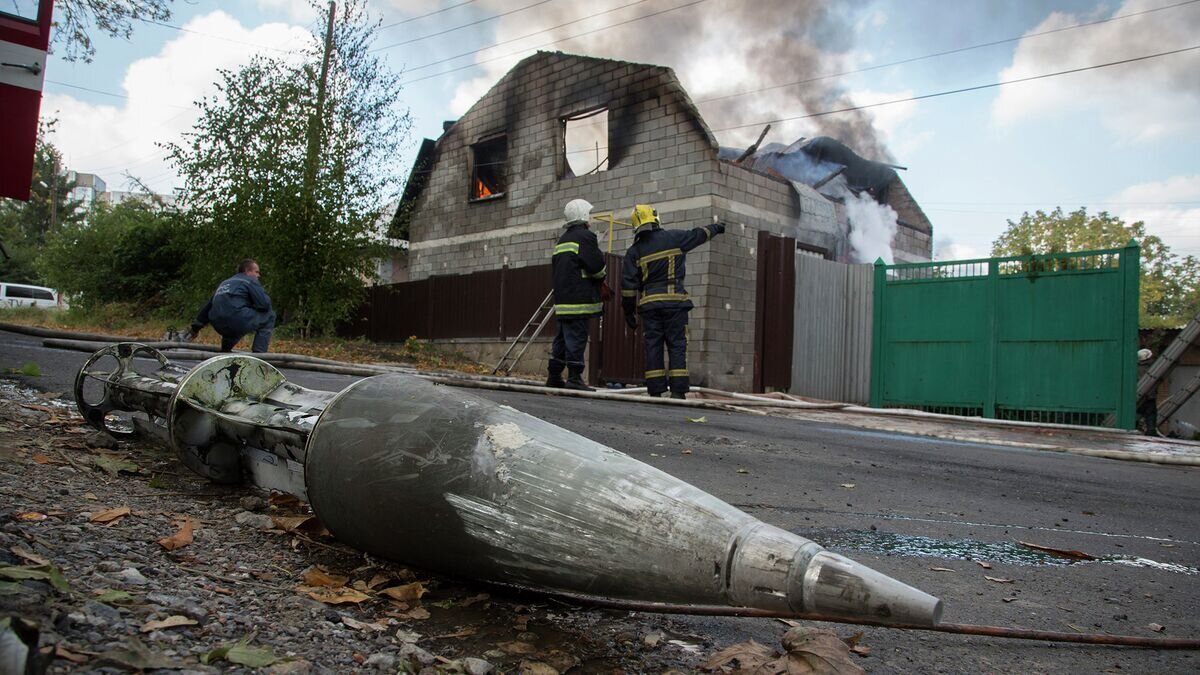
(817, 161)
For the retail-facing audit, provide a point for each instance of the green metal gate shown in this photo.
(1044, 338)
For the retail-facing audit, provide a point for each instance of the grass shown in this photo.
(129, 321)
(28, 370)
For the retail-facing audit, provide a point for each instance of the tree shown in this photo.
(291, 165)
(1170, 285)
(128, 253)
(73, 20)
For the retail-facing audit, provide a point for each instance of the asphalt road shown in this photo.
(920, 509)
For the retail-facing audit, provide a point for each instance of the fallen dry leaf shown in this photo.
(61, 652)
(378, 580)
(181, 538)
(528, 667)
(31, 516)
(517, 647)
(169, 622)
(31, 557)
(363, 625)
(984, 565)
(1007, 599)
(465, 632)
(698, 420)
(334, 596)
(414, 614)
(1157, 627)
(290, 523)
(861, 650)
(111, 516)
(1065, 553)
(848, 486)
(941, 569)
(285, 501)
(406, 592)
(685, 451)
(742, 471)
(998, 580)
(475, 600)
(315, 576)
(40, 458)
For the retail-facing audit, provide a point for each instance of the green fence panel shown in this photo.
(1039, 338)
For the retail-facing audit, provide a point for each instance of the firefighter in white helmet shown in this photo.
(579, 292)
(654, 268)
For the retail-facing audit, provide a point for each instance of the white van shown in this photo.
(24, 295)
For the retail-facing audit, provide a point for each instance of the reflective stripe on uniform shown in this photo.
(651, 374)
(567, 310)
(662, 297)
(628, 294)
(567, 247)
(677, 373)
(598, 275)
(669, 253)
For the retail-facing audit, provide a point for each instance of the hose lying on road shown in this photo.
(958, 628)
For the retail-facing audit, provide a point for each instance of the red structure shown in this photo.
(24, 39)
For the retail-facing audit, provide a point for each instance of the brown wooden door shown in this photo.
(617, 354)
(773, 312)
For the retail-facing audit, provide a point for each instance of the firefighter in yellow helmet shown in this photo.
(652, 286)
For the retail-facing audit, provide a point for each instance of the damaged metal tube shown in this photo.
(436, 477)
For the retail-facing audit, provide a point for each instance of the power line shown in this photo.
(426, 14)
(550, 44)
(465, 25)
(221, 37)
(113, 94)
(962, 90)
(947, 52)
(529, 35)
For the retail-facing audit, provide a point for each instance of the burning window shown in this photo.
(488, 175)
(585, 142)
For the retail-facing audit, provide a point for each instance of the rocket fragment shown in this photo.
(437, 477)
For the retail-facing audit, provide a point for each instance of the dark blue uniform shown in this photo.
(238, 307)
(579, 270)
(654, 268)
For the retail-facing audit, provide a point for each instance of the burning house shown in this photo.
(488, 194)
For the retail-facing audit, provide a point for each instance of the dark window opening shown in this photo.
(488, 169)
(585, 142)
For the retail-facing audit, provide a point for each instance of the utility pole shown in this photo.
(316, 130)
(316, 125)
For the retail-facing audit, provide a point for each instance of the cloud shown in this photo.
(110, 139)
(1137, 101)
(1169, 208)
(949, 249)
(296, 10)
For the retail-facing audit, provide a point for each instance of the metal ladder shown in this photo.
(537, 322)
(1166, 361)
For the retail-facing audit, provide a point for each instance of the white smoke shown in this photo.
(872, 227)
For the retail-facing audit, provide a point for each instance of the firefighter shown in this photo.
(654, 267)
(579, 292)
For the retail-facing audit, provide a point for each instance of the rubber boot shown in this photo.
(575, 380)
(554, 376)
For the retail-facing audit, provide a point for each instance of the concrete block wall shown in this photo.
(661, 155)
(914, 237)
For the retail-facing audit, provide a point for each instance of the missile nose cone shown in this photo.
(838, 586)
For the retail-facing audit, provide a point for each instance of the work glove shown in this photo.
(719, 227)
(631, 321)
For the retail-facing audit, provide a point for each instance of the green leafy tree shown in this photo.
(128, 253)
(295, 174)
(1170, 285)
(74, 21)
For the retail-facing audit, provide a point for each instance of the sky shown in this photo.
(1123, 138)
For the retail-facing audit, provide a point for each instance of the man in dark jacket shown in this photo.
(239, 306)
(579, 292)
(655, 267)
